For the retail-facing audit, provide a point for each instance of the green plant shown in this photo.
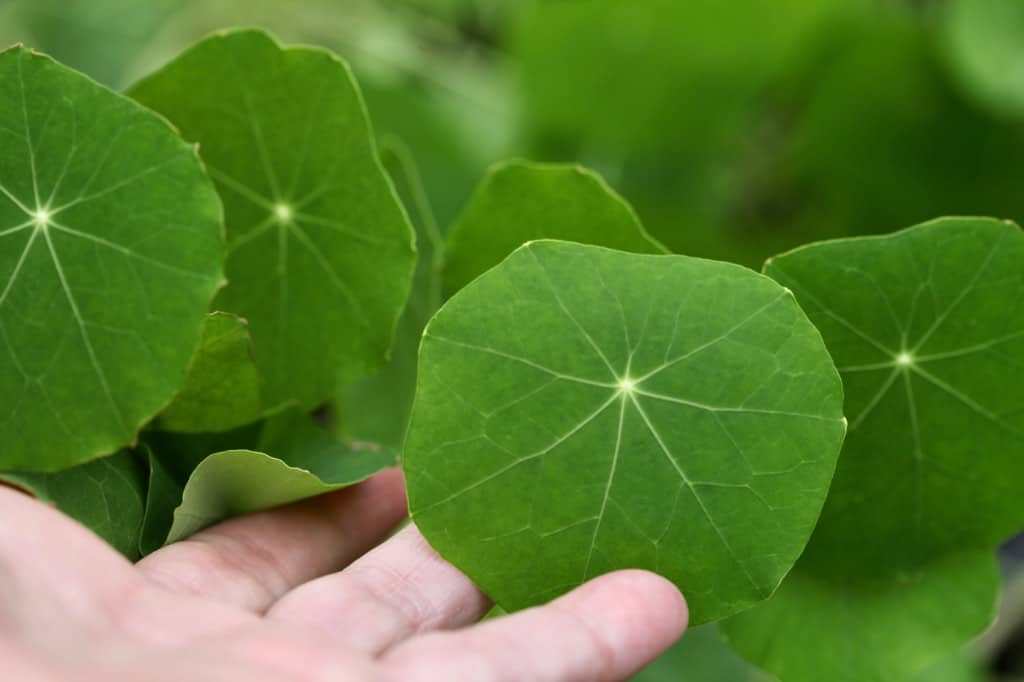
(192, 333)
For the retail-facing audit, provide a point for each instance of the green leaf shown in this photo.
(304, 460)
(927, 328)
(518, 202)
(162, 496)
(887, 630)
(222, 385)
(106, 495)
(983, 40)
(110, 251)
(377, 408)
(320, 254)
(580, 410)
(700, 656)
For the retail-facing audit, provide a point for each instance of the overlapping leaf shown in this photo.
(222, 387)
(110, 251)
(377, 408)
(320, 254)
(107, 495)
(927, 329)
(518, 202)
(580, 410)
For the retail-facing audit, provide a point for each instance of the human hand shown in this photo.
(300, 594)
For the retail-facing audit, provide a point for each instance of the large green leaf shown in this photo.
(110, 251)
(298, 459)
(377, 407)
(222, 388)
(580, 410)
(320, 253)
(518, 202)
(107, 495)
(927, 329)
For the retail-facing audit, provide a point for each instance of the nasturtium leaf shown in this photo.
(222, 388)
(299, 459)
(520, 201)
(110, 252)
(927, 327)
(107, 495)
(580, 410)
(320, 253)
(377, 408)
(986, 51)
(888, 630)
(700, 656)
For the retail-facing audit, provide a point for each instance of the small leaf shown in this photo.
(162, 496)
(320, 254)
(222, 385)
(106, 495)
(926, 327)
(110, 252)
(518, 202)
(377, 408)
(304, 460)
(581, 410)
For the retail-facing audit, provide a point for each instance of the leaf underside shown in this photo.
(297, 459)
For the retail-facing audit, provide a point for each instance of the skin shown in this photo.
(303, 593)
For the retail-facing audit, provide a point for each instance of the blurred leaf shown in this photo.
(518, 202)
(98, 37)
(111, 252)
(221, 390)
(105, 495)
(655, 75)
(320, 255)
(985, 40)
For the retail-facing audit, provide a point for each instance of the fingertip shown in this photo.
(649, 595)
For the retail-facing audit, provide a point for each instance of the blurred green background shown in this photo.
(736, 129)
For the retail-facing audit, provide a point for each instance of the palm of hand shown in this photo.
(288, 595)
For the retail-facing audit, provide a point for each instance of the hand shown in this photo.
(300, 594)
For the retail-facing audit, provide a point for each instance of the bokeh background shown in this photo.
(737, 129)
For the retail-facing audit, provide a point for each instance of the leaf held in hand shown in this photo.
(580, 410)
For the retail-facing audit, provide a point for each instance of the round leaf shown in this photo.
(927, 328)
(110, 251)
(320, 253)
(581, 410)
